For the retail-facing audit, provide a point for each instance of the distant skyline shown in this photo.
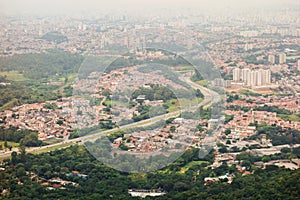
(69, 7)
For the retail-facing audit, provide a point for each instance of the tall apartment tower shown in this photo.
(259, 77)
(236, 74)
(271, 59)
(265, 76)
(245, 73)
(282, 58)
(253, 78)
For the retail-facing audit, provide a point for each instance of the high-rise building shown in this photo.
(248, 79)
(227, 83)
(268, 76)
(236, 74)
(245, 73)
(219, 82)
(298, 64)
(271, 59)
(259, 77)
(248, 47)
(252, 78)
(282, 58)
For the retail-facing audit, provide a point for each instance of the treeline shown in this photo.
(143, 113)
(27, 138)
(258, 108)
(280, 136)
(43, 65)
(103, 182)
(12, 134)
(55, 36)
(204, 71)
(39, 69)
(248, 159)
(172, 60)
(273, 109)
(200, 113)
(156, 92)
(21, 93)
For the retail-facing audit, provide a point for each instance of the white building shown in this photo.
(252, 78)
(271, 59)
(282, 58)
(236, 74)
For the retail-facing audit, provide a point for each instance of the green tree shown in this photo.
(227, 131)
(31, 140)
(172, 129)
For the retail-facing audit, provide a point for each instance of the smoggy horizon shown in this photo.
(69, 7)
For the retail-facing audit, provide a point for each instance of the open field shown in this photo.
(12, 144)
(293, 117)
(173, 105)
(13, 76)
(191, 164)
(38, 151)
(202, 83)
(183, 68)
(184, 103)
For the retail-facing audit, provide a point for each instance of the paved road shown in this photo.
(210, 95)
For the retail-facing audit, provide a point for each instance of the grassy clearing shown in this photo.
(70, 80)
(293, 117)
(119, 103)
(249, 93)
(184, 103)
(183, 68)
(39, 151)
(191, 164)
(164, 171)
(116, 103)
(138, 176)
(173, 105)
(13, 76)
(54, 141)
(12, 144)
(202, 83)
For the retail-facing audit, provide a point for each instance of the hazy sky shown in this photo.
(73, 6)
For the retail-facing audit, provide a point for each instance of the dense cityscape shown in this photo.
(192, 105)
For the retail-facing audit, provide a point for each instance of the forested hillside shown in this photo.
(37, 77)
(28, 176)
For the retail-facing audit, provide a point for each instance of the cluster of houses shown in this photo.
(242, 125)
(144, 54)
(58, 120)
(41, 117)
(290, 103)
(179, 134)
(56, 182)
(292, 164)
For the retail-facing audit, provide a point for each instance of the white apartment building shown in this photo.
(252, 78)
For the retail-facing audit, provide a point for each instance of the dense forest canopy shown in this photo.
(31, 76)
(42, 65)
(101, 182)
